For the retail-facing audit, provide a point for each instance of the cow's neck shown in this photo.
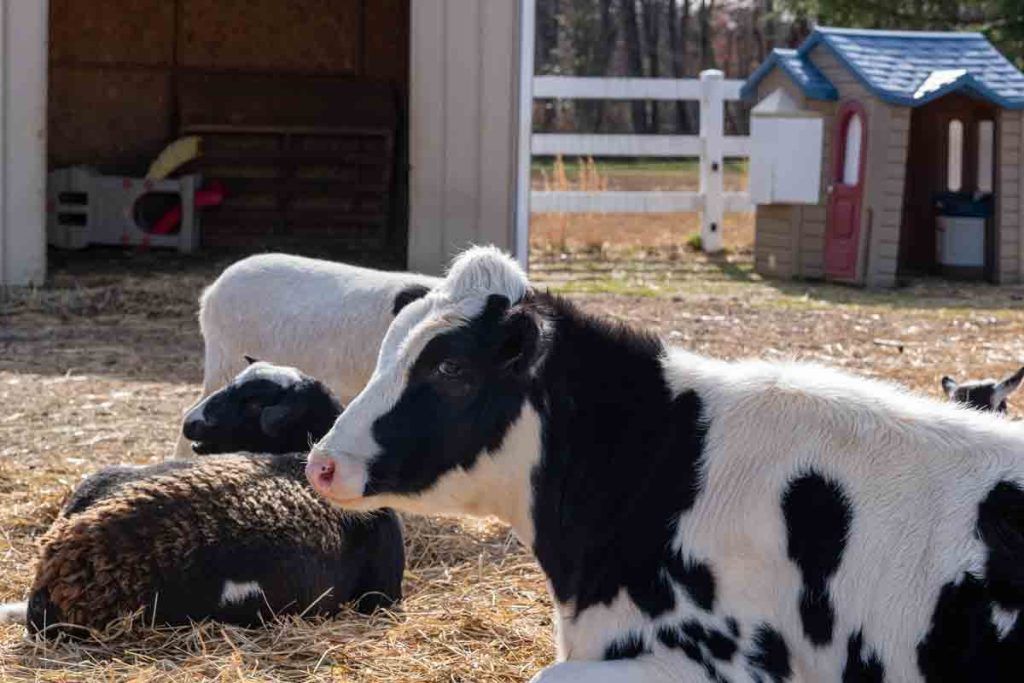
(612, 478)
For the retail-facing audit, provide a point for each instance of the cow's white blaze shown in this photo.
(474, 276)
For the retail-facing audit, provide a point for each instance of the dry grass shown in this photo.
(95, 369)
(626, 235)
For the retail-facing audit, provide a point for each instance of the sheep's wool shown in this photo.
(107, 560)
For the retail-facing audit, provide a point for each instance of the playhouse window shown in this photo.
(955, 155)
(986, 149)
(851, 157)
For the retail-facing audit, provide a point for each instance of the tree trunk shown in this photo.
(603, 53)
(652, 25)
(678, 26)
(770, 30)
(707, 49)
(634, 58)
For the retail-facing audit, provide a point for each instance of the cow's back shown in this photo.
(850, 516)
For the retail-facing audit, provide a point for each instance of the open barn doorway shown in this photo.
(301, 107)
(948, 225)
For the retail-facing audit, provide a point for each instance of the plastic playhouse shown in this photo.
(884, 154)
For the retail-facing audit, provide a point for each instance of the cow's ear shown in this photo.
(949, 386)
(520, 340)
(250, 360)
(1009, 385)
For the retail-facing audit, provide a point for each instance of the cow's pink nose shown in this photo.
(324, 472)
(340, 480)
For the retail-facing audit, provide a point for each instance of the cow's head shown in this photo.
(985, 394)
(444, 418)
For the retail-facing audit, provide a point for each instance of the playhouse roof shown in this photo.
(908, 68)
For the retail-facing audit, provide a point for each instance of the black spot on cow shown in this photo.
(1001, 528)
(695, 578)
(733, 626)
(700, 645)
(407, 296)
(628, 647)
(962, 643)
(818, 518)
(621, 461)
(861, 667)
(770, 654)
(719, 645)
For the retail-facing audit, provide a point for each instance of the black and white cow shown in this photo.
(697, 520)
(984, 394)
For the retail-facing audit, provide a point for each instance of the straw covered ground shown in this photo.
(95, 368)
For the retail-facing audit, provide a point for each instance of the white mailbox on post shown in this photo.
(785, 156)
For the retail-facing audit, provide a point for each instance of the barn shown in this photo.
(883, 155)
(379, 131)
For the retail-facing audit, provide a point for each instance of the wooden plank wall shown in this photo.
(773, 240)
(113, 63)
(463, 104)
(1009, 197)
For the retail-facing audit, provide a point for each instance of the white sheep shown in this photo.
(325, 318)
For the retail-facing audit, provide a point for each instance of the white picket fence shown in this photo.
(710, 146)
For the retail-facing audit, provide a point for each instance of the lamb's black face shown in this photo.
(266, 409)
(464, 390)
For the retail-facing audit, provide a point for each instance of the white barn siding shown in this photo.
(464, 119)
(23, 49)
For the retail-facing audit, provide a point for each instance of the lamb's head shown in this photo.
(266, 409)
(985, 394)
(446, 399)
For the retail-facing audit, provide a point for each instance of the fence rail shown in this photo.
(711, 146)
(610, 145)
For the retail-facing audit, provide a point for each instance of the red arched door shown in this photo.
(842, 236)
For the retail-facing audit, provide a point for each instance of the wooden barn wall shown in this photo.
(1010, 197)
(113, 63)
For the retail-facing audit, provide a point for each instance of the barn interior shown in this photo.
(300, 106)
(948, 225)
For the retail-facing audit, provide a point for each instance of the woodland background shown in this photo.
(679, 38)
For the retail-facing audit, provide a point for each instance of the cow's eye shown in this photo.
(450, 369)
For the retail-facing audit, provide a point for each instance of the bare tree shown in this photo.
(634, 58)
(678, 27)
(652, 39)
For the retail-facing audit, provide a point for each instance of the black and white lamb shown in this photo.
(323, 317)
(232, 538)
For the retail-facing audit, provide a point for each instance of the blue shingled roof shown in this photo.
(908, 68)
(804, 74)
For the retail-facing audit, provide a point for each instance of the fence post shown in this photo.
(712, 115)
